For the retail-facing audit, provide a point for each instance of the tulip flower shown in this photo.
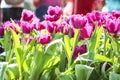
(39, 26)
(53, 13)
(26, 27)
(49, 26)
(116, 14)
(86, 32)
(78, 21)
(44, 38)
(112, 26)
(8, 24)
(27, 15)
(79, 50)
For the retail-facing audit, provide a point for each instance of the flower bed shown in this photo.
(61, 48)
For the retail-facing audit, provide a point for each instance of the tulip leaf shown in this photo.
(66, 77)
(17, 49)
(3, 66)
(57, 41)
(68, 47)
(114, 76)
(7, 41)
(95, 41)
(101, 58)
(13, 71)
(83, 72)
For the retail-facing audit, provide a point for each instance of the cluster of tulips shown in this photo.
(80, 47)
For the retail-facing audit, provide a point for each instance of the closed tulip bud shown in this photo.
(79, 50)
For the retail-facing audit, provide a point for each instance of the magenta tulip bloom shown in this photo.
(1, 31)
(112, 26)
(56, 27)
(49, 26)
(64, 27)
(79, 50)
(44, 38)
(26, 27)
(91, 17)
(78, 21)
(86, 32)
(8, 24)
(27, 15)
(116, 14)
(53, 13)
(39, 26)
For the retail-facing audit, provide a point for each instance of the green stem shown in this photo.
(104, 53)
(74, 45)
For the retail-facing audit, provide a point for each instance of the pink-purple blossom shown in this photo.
(26, 27)
(78, 21)
(53, 13)
(112, 26)
(27, 15)
(44, 38)
(79, 50)
(86, 32)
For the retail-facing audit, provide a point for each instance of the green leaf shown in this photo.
(67, 77)
(13, 71)
(101, 58)
(7, 41)
(15, 38)
(3, 66)
(18, 51)
(68, 48)
(83, 72)
(57, 41)
(114, 76)
(94, 41)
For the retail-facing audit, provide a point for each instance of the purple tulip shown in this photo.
(1, 31)
(39, 26)
(64, 27)
(91, 18)
(56, 27)
(44, 38)
(112, 26)
(78, 21)
(86, 32)
(26, 27)
(49, 26)
(8, 24)
(116, 14)
(54, 13)
(27, 15)
(79, 50)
